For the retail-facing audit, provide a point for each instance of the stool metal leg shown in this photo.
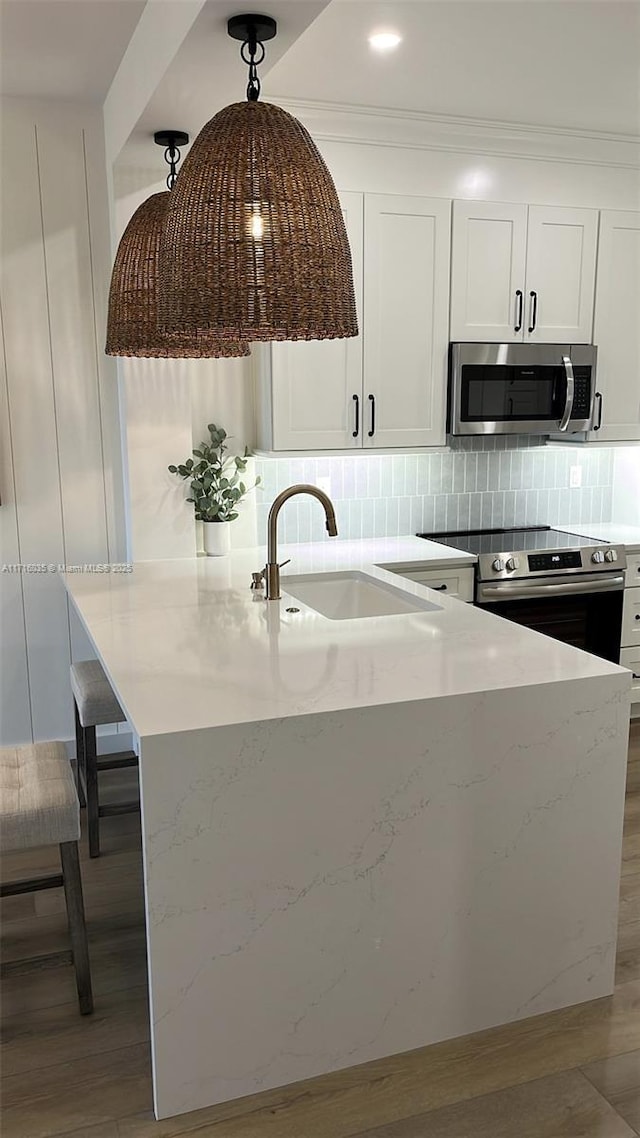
(93, 804)
(80, 764)
(76, 922)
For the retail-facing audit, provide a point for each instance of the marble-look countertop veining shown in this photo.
(360, 836)
(188, 646)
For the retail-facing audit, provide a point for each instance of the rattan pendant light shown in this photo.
(254, 245)
(132, 323)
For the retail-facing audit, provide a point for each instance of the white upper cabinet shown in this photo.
(560, 278)
(522, 273)
(406, 287)
(387, 387)
(488, 271)
(314, 381)
(617, 326)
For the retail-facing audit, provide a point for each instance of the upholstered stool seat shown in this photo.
(93, 694)
(38, 807)
(38, 800)
(96, 704)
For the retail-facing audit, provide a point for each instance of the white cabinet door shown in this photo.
(488, 271)
(631, 618)
(454, 582)
(406, 289)
(617, 326)
(314, 381)
(561, 271)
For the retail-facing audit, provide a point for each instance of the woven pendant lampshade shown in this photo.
(132, 324)
(254, 245)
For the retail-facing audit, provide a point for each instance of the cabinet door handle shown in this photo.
(598, 397)
(356, 431)
(534, 311)
(440, 588)
(372, 401)
(519, 309)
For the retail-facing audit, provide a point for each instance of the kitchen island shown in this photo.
(360, 836)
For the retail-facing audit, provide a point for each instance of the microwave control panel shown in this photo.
(582, 396)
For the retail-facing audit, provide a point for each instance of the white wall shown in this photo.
(60, 460)
(387, 152)
(167, 405)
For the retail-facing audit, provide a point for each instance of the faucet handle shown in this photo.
(257, 580)
(283, 563)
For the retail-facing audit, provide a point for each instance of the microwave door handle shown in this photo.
(571, 387)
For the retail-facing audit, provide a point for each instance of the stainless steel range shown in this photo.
(565, 585)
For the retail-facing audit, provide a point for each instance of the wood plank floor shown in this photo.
(570, 1074)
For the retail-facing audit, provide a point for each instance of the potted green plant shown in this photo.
(216, 486)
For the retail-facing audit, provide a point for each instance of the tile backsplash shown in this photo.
(478, 483)
(626, 486)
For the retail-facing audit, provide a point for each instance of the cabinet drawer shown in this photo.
(630, 658)
(633, 570)
(454, 582)
(631, 618)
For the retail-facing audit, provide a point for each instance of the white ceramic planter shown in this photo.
(216, 538)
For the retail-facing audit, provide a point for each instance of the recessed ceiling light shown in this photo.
(384, 41)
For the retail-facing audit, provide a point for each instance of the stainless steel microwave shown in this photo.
(530, 389)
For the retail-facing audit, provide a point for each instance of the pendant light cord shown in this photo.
(249, 55)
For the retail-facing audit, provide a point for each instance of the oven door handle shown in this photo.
(571, 388)
(509, 592)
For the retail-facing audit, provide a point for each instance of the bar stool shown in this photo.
(95, 704)
(39, 807)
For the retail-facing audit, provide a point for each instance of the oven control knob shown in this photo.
(611, 555)
(597, 557)
(513, 563)
(498, 565)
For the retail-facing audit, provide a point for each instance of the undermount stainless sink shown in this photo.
(352, 595)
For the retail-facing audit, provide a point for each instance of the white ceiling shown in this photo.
(63, 49)
(560, 63)
(207, 73)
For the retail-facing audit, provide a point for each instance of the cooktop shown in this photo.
(519, 539)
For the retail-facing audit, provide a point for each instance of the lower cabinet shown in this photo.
(630, 658)
(454, 582)
(630, 651)
(632, 579)
(631, 619)
(387, 387)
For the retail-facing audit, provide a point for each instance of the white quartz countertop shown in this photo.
(629, 536)
(334, 554)
(188, 646)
